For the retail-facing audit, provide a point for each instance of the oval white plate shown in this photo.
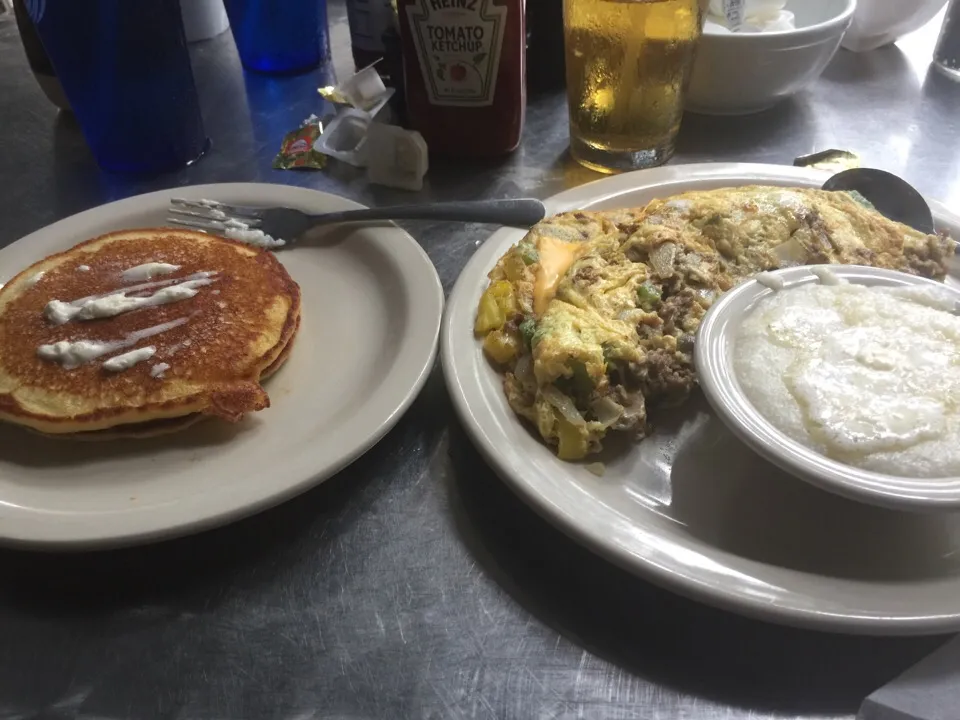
(371, 312)
(693, 509)
(718, 380)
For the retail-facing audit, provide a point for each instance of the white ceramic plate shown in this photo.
(693, 509)
(716, 340)
(371, 312)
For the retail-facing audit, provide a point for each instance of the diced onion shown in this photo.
(707, 294)
(524, 371)
(632, 316)
(607, 411)
(636, 406)
(662, 259)
(791, 252)
(564, 405)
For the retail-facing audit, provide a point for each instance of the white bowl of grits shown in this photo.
(846, 376)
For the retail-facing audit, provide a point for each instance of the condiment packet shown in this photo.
(731, 10)
(332, 94)
(297, 149)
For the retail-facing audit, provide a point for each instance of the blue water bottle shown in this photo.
(124, 67)
(279, 36)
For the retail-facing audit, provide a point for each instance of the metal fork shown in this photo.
(289, 224)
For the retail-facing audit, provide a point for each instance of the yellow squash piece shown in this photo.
(496, 305)
(573, 442)
(501, 346)
(489, 315)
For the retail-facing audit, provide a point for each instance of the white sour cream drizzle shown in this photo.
(242, 232)
(73, 354)
(147, 271)
(119, 363)
(58, 312)
(869, 376)
(239, 230)
(140, 287)
(159, 369)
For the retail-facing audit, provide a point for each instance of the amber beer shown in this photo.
(628, 62)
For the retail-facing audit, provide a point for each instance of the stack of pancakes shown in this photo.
(210, 351)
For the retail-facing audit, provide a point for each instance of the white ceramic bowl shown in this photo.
(714, 352)
(880, 22)
(740, 73)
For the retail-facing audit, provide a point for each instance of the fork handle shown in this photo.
(521, 212)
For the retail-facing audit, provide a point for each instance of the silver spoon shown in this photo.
(892, 196)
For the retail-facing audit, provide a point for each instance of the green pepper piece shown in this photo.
(528, 329)
(648, 296)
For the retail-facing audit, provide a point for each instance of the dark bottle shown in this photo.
(946, 56)
(37, 58)
(369, 20)
(545, 61)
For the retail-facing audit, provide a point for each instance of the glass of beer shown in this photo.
(628, 62)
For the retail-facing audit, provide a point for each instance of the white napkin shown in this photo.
(927, 691)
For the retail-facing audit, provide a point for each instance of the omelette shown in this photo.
(591, 316)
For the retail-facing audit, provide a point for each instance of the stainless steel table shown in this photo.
(415, 584)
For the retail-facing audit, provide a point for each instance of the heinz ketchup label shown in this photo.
(458, 43)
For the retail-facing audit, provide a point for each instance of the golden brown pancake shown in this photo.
(219, 343)
(167, 426)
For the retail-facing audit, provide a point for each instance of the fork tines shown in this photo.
(218, 209)
(210, 215)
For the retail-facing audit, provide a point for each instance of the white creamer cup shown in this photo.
(757, 14)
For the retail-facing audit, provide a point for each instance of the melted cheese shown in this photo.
(556, 257)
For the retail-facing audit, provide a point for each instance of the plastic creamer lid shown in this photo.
(362, 98)
(363, 91)
(345, 137)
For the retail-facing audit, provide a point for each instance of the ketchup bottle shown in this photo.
(464, 73)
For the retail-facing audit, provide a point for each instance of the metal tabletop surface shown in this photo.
(415, 584)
